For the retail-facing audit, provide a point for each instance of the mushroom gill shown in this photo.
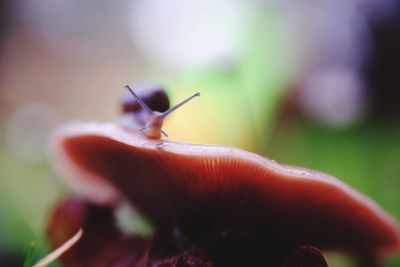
(237, 207)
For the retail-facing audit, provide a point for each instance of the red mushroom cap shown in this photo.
(196, 186)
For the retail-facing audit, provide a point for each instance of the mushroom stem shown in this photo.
(169, 111)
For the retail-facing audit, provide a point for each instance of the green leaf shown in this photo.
(29, 255)
(394, 262)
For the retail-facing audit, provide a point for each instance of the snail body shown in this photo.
(155, 106)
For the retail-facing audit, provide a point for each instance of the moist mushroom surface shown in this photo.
(238, 207)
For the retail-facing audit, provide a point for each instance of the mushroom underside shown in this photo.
(103, 244)
(234, 202)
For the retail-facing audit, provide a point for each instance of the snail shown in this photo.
(155, 119)
(239, 208)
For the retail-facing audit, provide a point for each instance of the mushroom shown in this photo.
(102, 242)
(235, 207)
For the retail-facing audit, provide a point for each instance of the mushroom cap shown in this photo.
(203, 185)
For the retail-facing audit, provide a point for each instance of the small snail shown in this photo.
(151, 109)
(151, 93)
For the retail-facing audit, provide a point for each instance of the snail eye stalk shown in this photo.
(139, 100)
(169, 111)
(153, 126)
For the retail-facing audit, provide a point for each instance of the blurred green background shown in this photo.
(309, 83)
